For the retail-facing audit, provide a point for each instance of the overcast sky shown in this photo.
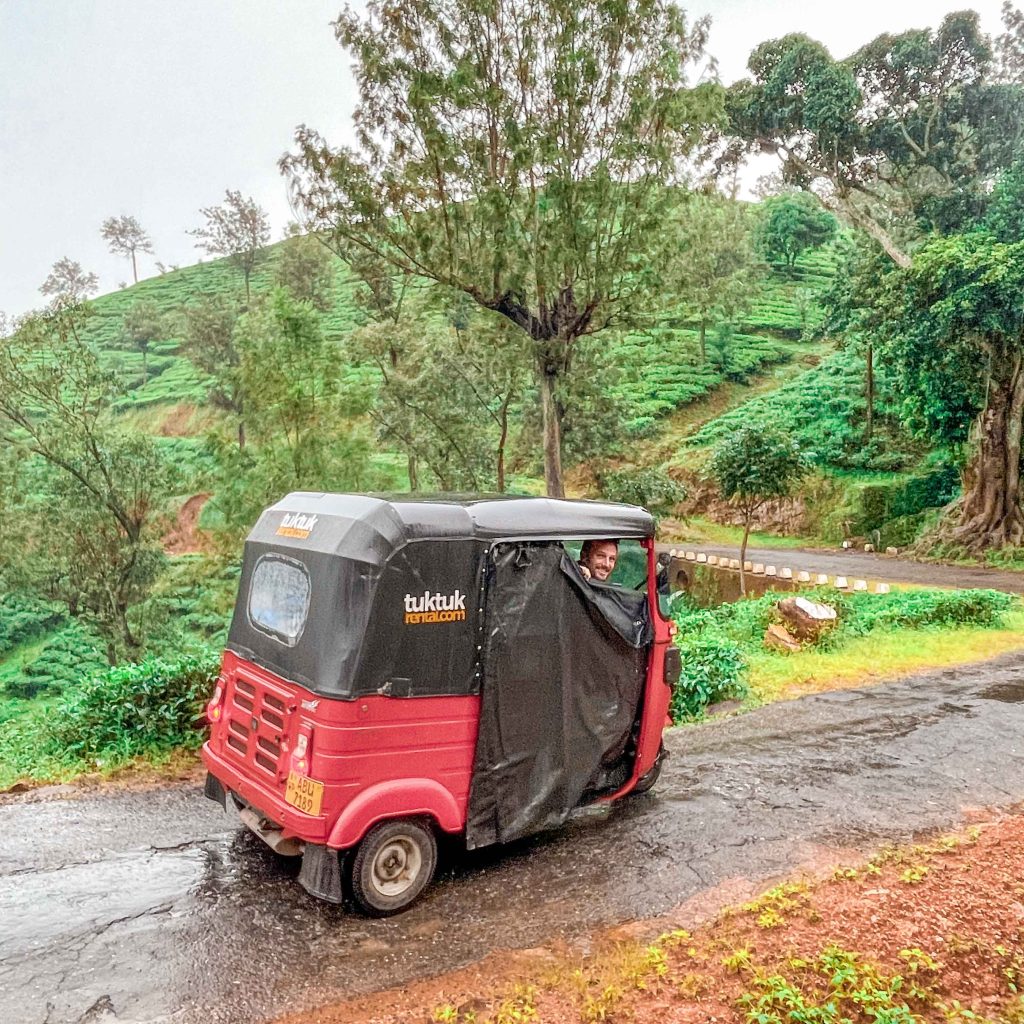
(154, 108)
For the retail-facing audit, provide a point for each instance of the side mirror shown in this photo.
(673, 665)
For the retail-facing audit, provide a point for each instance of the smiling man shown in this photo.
(598, 558)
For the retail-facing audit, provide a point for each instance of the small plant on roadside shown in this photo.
(914, 874)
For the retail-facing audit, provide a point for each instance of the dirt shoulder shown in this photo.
(928, 932)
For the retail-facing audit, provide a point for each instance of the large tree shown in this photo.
(125, 237)
(239, 230)
(522, 154)
(904, 140)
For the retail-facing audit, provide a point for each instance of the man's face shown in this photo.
(600, 560)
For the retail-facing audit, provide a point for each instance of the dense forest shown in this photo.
(533, 274)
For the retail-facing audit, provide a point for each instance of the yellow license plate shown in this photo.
(303, 793)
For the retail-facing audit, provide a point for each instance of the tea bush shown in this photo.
(149, 707)
(713, 670)
(23, 617)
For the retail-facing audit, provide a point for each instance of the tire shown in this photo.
(647, 782)
(393, 864)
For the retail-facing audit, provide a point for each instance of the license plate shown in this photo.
(304, 793)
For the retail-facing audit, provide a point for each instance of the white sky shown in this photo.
(154, 108)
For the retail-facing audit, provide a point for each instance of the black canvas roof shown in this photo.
(369, 528)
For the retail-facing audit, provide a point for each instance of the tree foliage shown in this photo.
(82, 512)
(904, 139)
(238, 229)
(125, 237)
(210, 344)
(144, 324)
(305, 268)
(302, 417)
(792, 223)
(67, 282)
(451, 380)
(710, 264)
(756, 465)
(518, 154)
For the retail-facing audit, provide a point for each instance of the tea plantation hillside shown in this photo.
(658, 370)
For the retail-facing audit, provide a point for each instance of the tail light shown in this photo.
(214, 707)
(302, 752)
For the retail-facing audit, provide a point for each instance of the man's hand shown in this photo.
(585, 571)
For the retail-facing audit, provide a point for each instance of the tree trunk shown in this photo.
(743, 555)
(414, 477)
(135, 272)
(552, 430)
(702, 335)
(869, 427)
(241, 434)
(501, 442)
(991, 512)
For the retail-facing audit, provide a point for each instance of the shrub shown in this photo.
(714, 669)
(149, 707)
(654, 489)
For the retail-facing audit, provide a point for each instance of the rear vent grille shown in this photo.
(256, 725)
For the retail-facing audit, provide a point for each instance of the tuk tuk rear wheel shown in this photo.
(392, 866)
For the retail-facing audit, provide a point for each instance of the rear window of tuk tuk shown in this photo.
(278, 601)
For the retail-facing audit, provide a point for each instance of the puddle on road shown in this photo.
(39, 908)
(1008, 693)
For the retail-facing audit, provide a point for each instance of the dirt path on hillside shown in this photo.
(184, 537)
(869, 566)
(155, 907)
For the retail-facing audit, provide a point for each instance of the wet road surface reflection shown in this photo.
(156, 907)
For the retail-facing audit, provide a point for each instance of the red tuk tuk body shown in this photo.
(367, 698)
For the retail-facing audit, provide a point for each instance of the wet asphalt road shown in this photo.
(154, 907)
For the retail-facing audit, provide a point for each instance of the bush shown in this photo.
(134, 709)
(714, 669)
(654, 489)
(914, 609)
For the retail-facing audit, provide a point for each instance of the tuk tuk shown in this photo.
(399, 669)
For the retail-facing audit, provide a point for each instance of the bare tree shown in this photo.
(125, 237)
(238, 229)
(67, 280)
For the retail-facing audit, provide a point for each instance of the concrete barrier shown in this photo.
(701, 557)
(758, 569)
(860, 584)
(785, 573)
(803, 576)
(841, 583)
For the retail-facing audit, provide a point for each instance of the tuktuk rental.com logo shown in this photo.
(296, 524)
(435, 607)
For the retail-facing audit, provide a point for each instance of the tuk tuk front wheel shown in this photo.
(392, 866)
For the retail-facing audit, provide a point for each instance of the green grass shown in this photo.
(875, 637)
(704, 531)
(883, 655)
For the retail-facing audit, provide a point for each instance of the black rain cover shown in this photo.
(564, 666)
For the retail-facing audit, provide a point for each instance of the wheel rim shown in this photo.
(396, 867)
